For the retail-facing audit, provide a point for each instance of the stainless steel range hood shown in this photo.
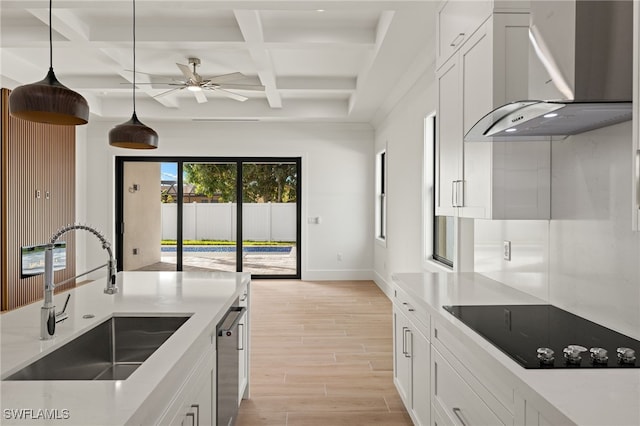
(580, 73)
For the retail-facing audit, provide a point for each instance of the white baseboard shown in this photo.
(329, 275)
(386, 287)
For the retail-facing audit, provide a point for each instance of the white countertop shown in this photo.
(204, 295)
(586, 397)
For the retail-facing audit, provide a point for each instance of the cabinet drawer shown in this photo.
(488, 380)
(454, 397)
(420, 317)
(455, 22)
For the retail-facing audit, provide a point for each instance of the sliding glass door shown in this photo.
(209, 216)
(269, 200)
(196, 222)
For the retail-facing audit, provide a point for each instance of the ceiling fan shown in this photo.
(197, 84)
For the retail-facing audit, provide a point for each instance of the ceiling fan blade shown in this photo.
(231, 95)
(256, 87)
(159, 95)
(200, 97)
(226, 77)
(146, 73)
(186, 71)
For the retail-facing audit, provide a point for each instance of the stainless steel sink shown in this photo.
(110, 351)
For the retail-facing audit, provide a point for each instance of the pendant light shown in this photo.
(133, 134)
(48, 100)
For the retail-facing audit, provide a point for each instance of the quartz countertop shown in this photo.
(584, 396)
(205, 296)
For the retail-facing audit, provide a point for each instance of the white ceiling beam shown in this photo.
(316, 83)
(196, 32)
(251, 27)
(384, 23)
(223, 108)
(343, 36)
(64, 23)
(127, 63)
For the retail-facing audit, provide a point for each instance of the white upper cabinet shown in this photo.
(489, 180)
(456, 21)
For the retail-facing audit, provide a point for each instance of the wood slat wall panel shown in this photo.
(39, 157)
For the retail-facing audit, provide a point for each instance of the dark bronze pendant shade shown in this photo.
(133, 134)
(48, 100)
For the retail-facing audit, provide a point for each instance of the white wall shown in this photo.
(337, 176)
(142, 231)
(586, 259)
(402, 134)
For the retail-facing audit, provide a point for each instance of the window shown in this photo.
(381, 194)
(442, 232)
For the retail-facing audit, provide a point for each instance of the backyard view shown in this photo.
(209, 216)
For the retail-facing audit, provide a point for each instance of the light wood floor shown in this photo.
(321, 355)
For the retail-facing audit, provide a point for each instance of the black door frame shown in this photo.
(119, 204)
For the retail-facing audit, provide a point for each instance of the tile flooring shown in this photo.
(321, 354)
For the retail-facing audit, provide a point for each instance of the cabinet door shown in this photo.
(455, 22)
(203, 405)
(420, 378)
(448, 139)
(401, 360)
(243, 354)
(477, 100)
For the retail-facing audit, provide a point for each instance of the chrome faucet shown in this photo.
(48, 317)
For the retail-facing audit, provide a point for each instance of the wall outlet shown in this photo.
(339, 257)
(136, 251)
(506, 250)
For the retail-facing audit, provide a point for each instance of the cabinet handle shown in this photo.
(435, 378)
(458, 413)
(404, 341)
(197, 407)
(240, 337)
(409, 343)
(460, 194)
(47, 195)
(638, 179)
(453, 193)
(457, 40)
(193, 418)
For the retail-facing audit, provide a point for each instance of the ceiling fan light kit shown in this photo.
(48, 100)
(133, 134)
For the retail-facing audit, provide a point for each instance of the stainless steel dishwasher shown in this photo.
(229, 342)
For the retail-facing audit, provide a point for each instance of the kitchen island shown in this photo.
(158, 390)
(472, 379)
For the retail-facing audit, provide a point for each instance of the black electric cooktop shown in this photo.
(537, 336)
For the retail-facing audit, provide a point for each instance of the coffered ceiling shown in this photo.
(318, 60)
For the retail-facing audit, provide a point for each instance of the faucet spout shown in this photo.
(48, 310)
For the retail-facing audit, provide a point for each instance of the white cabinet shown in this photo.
(449, 140)
(500, 180)
(457, 21)
(454, 397)
(243, 348)
(411, 355)
(194, 401)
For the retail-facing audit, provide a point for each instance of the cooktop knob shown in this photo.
(545, 355)
(626, 355)
(572, 353)
(599, 355)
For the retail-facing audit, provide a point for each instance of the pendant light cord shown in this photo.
(50, 36)
(134, 57)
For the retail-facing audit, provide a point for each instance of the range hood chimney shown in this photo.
(580, 73)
